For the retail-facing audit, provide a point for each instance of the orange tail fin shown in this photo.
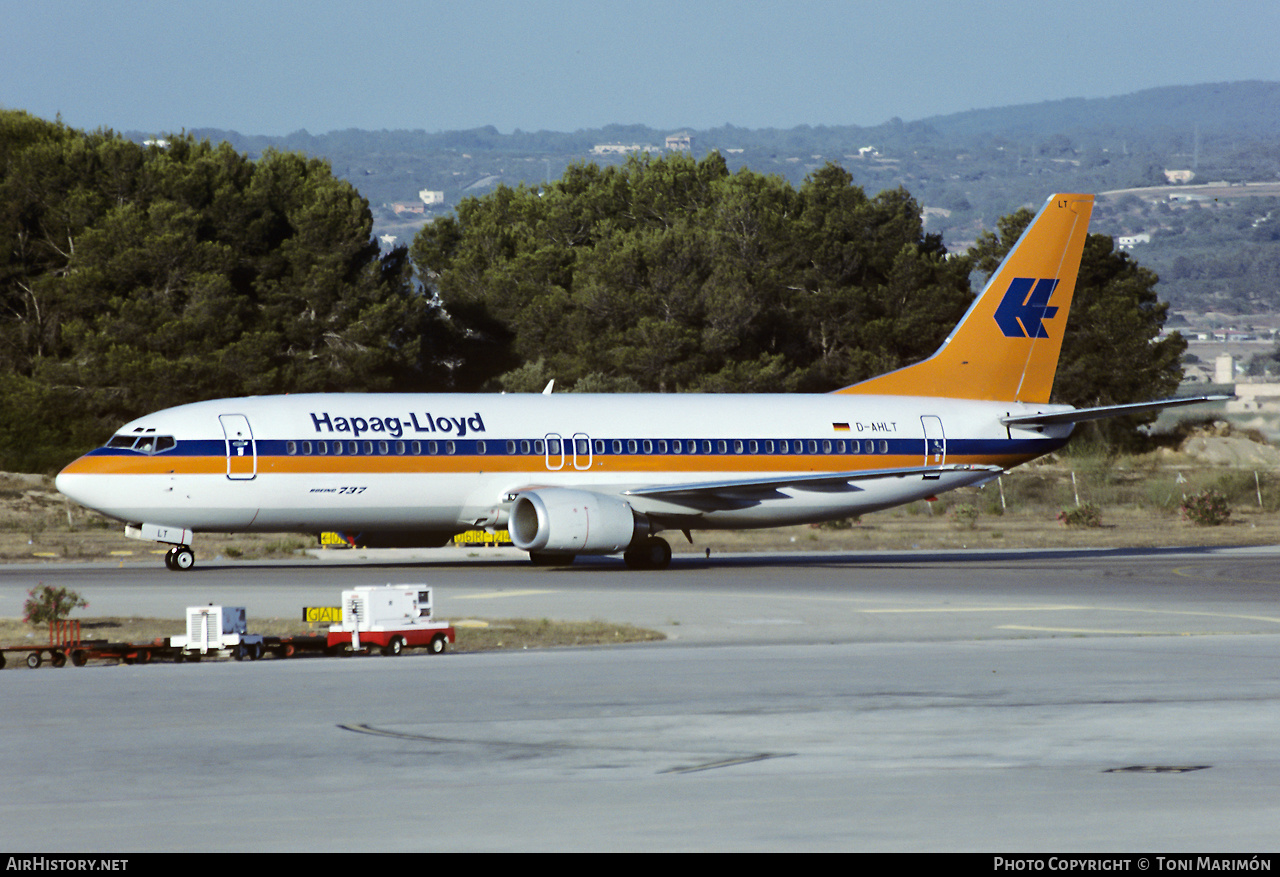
(1006, 347)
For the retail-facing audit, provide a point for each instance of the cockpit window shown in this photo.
(143, 444)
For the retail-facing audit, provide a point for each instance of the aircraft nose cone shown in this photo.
(66, 484)
(74, 483)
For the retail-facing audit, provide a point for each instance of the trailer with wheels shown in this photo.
(391, 618)
(65, 644)
(36, 655)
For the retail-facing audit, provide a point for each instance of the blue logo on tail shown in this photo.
(1025, 307)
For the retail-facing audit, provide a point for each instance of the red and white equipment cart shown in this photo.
(390, 617)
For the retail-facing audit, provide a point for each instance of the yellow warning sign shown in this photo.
(483, 537)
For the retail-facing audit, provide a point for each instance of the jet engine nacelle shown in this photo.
(560, 520)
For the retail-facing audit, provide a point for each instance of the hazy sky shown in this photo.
(263, 67)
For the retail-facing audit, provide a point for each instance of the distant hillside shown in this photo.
(967, 168)
(1248, 108)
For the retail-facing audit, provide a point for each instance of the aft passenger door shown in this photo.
(242, 451)
(935, 442)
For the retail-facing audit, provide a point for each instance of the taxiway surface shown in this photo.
(1002, 701)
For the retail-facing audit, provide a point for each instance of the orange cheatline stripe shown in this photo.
(718, 464)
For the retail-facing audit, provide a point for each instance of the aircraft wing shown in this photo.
(708, 495)
(1081, 415)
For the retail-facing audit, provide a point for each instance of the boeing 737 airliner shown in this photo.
(604, 474)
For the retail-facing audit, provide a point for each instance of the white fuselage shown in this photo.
(443, 463)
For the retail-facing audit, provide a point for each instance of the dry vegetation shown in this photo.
(1138, 505)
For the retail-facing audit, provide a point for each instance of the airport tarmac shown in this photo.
(995, 701)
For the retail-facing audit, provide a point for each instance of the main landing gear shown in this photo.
(180, 558)
(652, 552)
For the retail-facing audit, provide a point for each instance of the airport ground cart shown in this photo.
(217, 630)
(392, 618)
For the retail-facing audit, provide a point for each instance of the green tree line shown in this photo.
(675, 275)
(138, 277)
(135, 277)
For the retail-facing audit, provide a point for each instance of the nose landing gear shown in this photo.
(179, 558)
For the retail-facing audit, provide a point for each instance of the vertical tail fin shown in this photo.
(1006, 347)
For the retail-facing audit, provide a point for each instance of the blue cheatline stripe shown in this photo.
(825, 447)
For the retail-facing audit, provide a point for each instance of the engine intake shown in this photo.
(561, 520)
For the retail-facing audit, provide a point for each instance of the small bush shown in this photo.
(45, 604)
(1084, 515)
(964, 516)
(1208, 508)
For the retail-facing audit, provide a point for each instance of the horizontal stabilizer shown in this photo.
(1081, 415)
